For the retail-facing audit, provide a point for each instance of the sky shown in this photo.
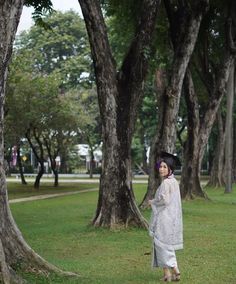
(63, 5)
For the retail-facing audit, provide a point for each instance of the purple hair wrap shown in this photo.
(158, 164)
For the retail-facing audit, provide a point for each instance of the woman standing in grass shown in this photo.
(166, 226)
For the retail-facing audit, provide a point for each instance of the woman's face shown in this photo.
(163, 169)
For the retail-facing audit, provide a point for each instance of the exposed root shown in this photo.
(7, 274)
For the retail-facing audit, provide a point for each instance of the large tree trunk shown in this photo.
(14, 251)
(202, 132)
(216, 93)
(229, 132)
(119, 95)
(184, 32)
(190, 176)
(216, 178)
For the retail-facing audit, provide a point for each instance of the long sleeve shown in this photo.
(162, 196)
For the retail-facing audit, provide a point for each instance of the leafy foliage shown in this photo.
(63, 49)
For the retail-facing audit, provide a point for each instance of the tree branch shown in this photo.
(134, 67)
(229, 38)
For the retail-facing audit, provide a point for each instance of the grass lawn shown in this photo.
(58, 230)
(17, 190)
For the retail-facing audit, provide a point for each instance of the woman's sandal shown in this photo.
(167, 278)
(176, 277)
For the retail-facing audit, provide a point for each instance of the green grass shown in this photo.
(17, 190)
(58, 229)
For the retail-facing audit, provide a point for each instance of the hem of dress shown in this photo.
(166, 246)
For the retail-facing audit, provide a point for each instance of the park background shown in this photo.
(172, 88)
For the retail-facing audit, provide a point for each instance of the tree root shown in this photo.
(7, 274)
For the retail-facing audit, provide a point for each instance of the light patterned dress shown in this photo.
(166, 226)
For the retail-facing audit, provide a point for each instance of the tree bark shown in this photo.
(64, 158)
(184, 26)
(23, 181)
(234, 148)
(218, 77)
(13, 249)
(216, 175)
(144, 150)
(52, 158)
(229, 132)
(91, 162)
(190, 178)
(119, 95)
(39, 156)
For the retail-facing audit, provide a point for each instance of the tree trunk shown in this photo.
(190, 177)
(153, 178)
(119, 95)
(52, 158)
(234, 136)
(39, 175)
(202, 132)
(229, 132)
(55, 172)
(91, 163)
(144, 150)
(216, 175)
(168, 104)
(39, 156)
(23, 181)
(116, 205)
(14, 252)
(216, 90)
(234, 149)
(64, 159)
(56, 179)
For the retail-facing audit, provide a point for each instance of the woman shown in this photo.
(166, 226)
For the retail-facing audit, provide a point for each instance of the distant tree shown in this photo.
(62, 47)
(60, 51)
(90, 126)
(145, 128)
(37, 111)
